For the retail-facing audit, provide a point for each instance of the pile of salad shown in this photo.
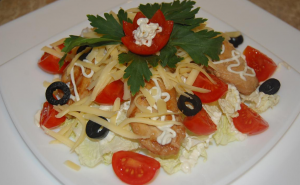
(153, 87)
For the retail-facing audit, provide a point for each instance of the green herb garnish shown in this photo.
(200, 45)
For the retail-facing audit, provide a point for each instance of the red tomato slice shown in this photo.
(110, 93)
(134, 168)
(49, 63)
(200, 124)
(217, 90)
(158, 42)
(263, 66)
(249, 122)
(48, 118)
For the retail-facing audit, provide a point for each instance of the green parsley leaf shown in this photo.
(122, 15)
(109, 26)
(168, 57)
(149, 9)
(62, 61)
(179, 12)
(137, 71)
(74, 41)
(199, 45)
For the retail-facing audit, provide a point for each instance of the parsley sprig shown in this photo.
(200, 45)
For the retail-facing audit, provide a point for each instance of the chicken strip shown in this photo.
(233, 69)
(152, 131)
(81, 82)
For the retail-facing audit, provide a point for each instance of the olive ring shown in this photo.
(92, 130)
(53, 87)
(194, 100)
(270, 86)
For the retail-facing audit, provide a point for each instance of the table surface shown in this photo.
(287, 10)
(16, 158)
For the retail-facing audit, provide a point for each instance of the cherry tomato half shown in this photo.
(48, 118)
(200, 124)
(217, 90)
(158, 42)
(110, 93)
(249, 122)
(49, 63)
(134, 168)
(263, 66)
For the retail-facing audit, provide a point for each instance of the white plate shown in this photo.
(23, 96)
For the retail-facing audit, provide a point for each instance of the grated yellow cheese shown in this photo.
(72, 165)
(116, 129)
(52, 52)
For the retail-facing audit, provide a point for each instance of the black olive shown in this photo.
(84, 55)
(194, 100)
(271, 86)
(236, 41)
(96, 131)
(53, 87)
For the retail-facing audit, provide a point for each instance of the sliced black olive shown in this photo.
(53, 87)
(194, 100)
(96, 131)
(84, 55)
(271, 86)
(236, 41)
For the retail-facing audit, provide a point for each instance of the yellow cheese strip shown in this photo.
(151, 115)
(193, 88)
(161, 106)
(86, 109)
(91, 34)
(127, 94)
(140, 107)
(148, 96)
(62, 139)
(192, 77)
(69, 132)
(83, 133)
(103, 79)
(117, 104)
(164, 77)
(71, 65)
(117, 75)
(52, 52)
(72, 165)
(59, 42)
(116, 129)
(148, 122)
(88, 65)
(92, 54)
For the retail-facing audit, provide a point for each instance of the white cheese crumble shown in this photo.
(144, 34)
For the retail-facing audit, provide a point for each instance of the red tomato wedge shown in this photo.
(48, 118)
(217, 90)
(263, 66)
(158, 42)
(110, 93)
(134, 168)
(249, 122)
(200, 124)
(49, 63)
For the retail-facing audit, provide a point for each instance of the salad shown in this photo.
(153, 87)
